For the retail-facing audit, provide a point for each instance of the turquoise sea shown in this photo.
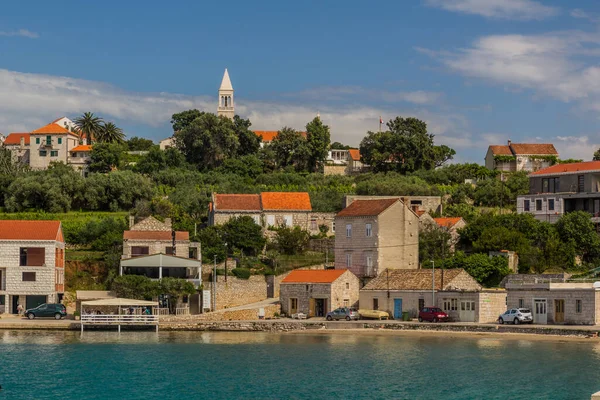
(196, 365)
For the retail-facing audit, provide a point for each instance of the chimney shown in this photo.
(509, 142)
(168, 222)
(131, 221)
(22, 142)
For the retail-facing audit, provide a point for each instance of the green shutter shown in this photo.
(37, 140)
(59, 140)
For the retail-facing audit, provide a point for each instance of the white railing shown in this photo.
(119, 319)
(160, 311)
(182, 311)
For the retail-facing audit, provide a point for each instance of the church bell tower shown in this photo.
(226, 97)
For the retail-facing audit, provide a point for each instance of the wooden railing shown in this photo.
(160, 311)
(119, 319)
(182, 311)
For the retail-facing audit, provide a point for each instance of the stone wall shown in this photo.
(236, 292)
(251, 314)
(150, 224)
(335, 170)
(492, 303)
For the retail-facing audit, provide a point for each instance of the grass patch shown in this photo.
(70, 217)
(84, 255)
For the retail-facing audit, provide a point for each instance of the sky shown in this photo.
(479, 72)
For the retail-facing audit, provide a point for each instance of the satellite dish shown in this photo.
(596, 285)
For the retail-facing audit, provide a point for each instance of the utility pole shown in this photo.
(432, 283)
(226, 257)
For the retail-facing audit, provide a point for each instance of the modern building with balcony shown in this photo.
(563, 188)
(372, 235)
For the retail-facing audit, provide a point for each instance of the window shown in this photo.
(43, 153)
(349, 230)
(550, 204)
(32, 256)
(37, 140)
(333, 227)
(256, 219)
(28, 276)
(453, 304)
(137, 251)
(375, 304)
(347, 285)
(48, 140)
(169, 250)
(580, 183)
(521, 303)
(538, 205)
(348, 260)
(59, 140)
(288, 220)
(270, 220)
(525, 205)
(577, 306)
(313, 225)
(54, 153)
(346, 302)
(545, 188)
(293, 304)
(368, 230)
(369, 260)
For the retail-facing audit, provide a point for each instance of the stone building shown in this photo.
(343, 162)
(79, 158)
(19, 145)
(452, 225)
(317, 292)
(376, 234)
(270, 209)
(419, 204)
(226, 105)
(515, 157)
(151, 236)
(50, 143)
(32, 264)
(554, 301)
(452, 290)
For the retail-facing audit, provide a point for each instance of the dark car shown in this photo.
(57, 311)
(343, 313)
(432, 314)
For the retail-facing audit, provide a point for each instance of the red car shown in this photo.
(432, 314)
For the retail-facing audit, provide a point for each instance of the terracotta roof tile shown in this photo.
(447, 222)
(82, 147)
(569, 168)
(402, 279)
(313, 276)
(237, 202)
(155, 235)
(15, 138)
(534, 148)
(297, 201)
(501, 150)
(354, 154)
(366, 208)
(30, 230)
(51, 129)
(268, 136)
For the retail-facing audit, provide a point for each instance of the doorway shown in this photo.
(422, 304)
(467, 311)
(540, 311)
(559, 311)
(34, 301)
(397, 308)
(320, 307)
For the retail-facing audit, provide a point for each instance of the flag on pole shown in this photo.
(380, 120)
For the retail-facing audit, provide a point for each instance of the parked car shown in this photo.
(343, 313)
(373, 314)
(516, 316)
(57, 311)
(432, 314)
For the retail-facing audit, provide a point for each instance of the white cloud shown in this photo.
(345, 93)
(21, 32)
(28, 101)
(578, 147)
(504, 9)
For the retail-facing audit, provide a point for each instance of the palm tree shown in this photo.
(89, 125)
(111, 133)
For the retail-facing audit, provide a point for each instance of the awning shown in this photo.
(161, 260)
(119, 302)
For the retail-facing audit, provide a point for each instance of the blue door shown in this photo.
(397, 308)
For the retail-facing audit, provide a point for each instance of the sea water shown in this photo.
(196, 365)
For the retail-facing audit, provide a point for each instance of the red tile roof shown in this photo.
(237, 202)
(53, 129)
(155, 235)
(82, 147)
(268, 136)
(501, 150)
(313, 276)
(15, 138)
(569, 168)
(534, 148)
(354, 154)
(447, 222)
(366, 208)
(30, 230)
(298, 201)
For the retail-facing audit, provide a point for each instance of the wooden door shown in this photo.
(559, 311)
(311, 307)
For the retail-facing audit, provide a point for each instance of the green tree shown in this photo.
(110, 133)
(488, 271)
(157, 160)
(578, 230)
(105, 157)
(135, 287)
(249, 142)
(317, 141)
(290, 149)
(434, 243)
(339, 146)
(207, 141)
(442, 154)
(184, 119)
(291, 241)
(89, 126)
(243, 234)
(139, 144)
(175, 288)
(213, 246)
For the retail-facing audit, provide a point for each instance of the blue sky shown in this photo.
(478, 71)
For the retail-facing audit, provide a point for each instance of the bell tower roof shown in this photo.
(226, 82)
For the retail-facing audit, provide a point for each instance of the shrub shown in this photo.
(242, 273)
